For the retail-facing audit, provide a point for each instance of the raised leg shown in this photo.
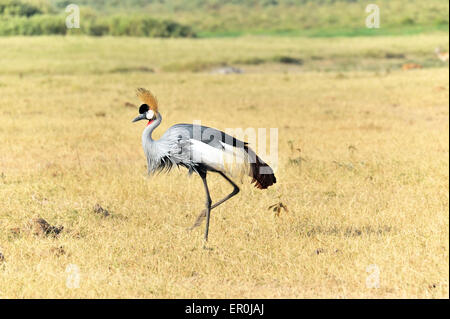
(203, 214)
(207, 204)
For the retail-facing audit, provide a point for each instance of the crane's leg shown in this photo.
(208, 204)
(203, 214)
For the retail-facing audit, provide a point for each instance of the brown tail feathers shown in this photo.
(261, 173)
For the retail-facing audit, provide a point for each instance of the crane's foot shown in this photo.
(199, 220)
(207, 248)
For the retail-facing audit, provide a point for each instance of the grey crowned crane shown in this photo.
(200, 149)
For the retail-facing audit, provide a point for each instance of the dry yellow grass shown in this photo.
(372, 188)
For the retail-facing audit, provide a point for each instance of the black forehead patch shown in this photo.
(144, 108)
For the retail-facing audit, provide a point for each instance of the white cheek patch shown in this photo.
(149, 115)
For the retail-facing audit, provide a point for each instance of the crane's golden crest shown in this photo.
(148, 98)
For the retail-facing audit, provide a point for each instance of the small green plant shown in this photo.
(296, 161)
(278, 207)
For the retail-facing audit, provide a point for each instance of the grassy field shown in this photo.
(52, 56)
(300, 17)
(369, 187)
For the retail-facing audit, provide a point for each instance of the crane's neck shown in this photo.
(147, 134)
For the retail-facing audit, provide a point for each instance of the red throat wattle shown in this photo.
(150, 122)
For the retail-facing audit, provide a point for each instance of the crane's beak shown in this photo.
(139, 118)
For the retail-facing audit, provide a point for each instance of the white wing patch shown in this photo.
(230, 160)
(206, 154)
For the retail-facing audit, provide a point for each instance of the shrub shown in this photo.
(147, 27)
(21, 18)
(287, 60)
(94, 27)
(91, 25)
(17, 8)
(36, 25)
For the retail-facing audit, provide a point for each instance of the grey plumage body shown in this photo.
(175, 146)
(202, 149)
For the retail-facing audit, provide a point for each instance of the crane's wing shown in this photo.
(204, 148)
(209, 135)
(197, 147)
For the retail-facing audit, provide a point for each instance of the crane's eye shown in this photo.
(144, 108)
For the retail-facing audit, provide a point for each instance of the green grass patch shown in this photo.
(329, 33)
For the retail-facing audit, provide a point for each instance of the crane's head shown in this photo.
(145, 114)
(148, 110)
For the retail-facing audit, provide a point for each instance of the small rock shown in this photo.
(41, 227)
(15, 231)
(227, 70)
(58, 251)
(100, 210)
(2, 257)
(319, 251)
